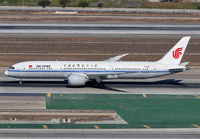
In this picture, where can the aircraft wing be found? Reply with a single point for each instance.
(105, 74)
(116, 58)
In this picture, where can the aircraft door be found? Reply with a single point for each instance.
(110, 68)
(21, 69)
(154, 71)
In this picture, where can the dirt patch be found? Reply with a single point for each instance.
(97, 17)
(14, 50)
(46, 115)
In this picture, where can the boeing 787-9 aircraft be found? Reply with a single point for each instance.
(79, 72)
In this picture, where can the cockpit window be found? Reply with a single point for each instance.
(12, 68)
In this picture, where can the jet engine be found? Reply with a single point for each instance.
(77, 79)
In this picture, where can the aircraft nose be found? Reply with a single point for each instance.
(6, 72)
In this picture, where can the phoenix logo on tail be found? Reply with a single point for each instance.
(176, 53)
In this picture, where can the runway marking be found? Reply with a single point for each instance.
(196, 125)
(96, 127)
(49, 95)
(197, 96)
(144, 95)
(45, 127)
(146, 126)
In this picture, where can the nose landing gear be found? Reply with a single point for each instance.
(20, 81)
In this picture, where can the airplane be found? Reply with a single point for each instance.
(78, 73)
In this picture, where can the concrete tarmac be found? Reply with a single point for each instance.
(168, 133)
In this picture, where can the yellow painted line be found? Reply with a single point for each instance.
(197, 96)
(45, 127)
(144, 95)
(146, 126)
(196, 125)
(49, 95)
(96, 127)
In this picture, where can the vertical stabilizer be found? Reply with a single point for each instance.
(175, 54)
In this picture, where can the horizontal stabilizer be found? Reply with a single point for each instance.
(181, 68)
(184, 63)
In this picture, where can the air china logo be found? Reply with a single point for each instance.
(176, 53)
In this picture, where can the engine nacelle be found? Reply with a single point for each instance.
(77, 79)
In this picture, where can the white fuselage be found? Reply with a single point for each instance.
(105, 70)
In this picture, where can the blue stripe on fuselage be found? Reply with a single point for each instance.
(83, 71)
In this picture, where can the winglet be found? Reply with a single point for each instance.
(116, 58)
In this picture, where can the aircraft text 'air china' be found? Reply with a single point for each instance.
(79, 72)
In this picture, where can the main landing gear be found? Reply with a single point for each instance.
(98, 83)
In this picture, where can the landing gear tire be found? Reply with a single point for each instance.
(99, 85)
(96, 85)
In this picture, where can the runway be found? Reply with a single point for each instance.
(168, 133)
(98, 29)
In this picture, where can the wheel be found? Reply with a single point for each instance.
(96, 85)
(99, 85)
